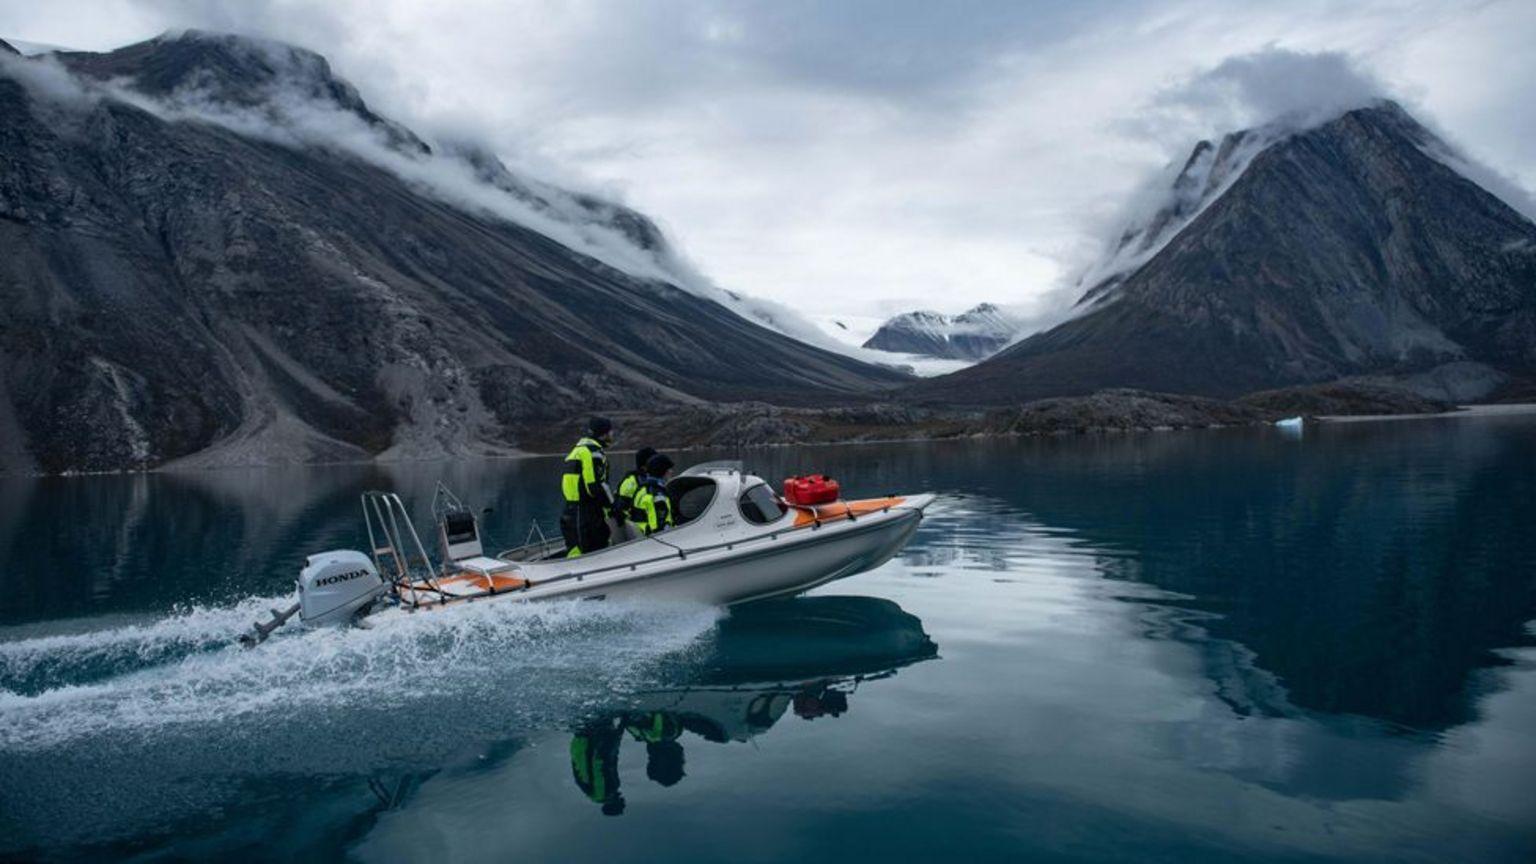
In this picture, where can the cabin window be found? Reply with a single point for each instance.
(759, 505)
(690, 497)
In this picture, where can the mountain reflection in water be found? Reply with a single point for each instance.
(1366, 570)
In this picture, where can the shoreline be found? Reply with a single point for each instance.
(1513, 409)
(1465, 411)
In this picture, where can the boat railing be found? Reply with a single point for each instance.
(536, 546)
(538, 550)
(396, 548)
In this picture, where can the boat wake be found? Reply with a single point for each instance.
(30, 665)
(183, 672)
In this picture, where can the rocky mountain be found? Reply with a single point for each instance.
(1170, 206)
(1292, 257)
(972, 335)
(212, 250)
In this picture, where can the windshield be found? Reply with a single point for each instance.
(759, 505)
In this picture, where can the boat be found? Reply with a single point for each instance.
(735, 540)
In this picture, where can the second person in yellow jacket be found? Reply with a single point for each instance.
(653, 509)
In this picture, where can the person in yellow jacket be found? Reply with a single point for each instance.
(584, 485)
(652, 506)
(624, 509)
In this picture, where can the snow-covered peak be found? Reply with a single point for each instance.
(972, 335)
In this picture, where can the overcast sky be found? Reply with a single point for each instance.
(864, 158)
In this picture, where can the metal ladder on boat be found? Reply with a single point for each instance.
(396, 548)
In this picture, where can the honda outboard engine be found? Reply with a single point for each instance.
(336, 586)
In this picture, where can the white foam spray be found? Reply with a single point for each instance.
(184, 672)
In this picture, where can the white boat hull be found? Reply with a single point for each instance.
(787, 565)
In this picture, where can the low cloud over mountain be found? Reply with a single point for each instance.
(1292, 254)
(215, 250)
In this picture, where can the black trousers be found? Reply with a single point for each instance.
(585, 527)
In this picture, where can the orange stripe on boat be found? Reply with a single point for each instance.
(491, 581)
(502, 582)
(806, 514)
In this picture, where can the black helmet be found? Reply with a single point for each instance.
(643, 455)
(597, 427)
(658, 465)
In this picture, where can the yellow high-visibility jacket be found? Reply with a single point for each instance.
(625, 508)
(654, 505)
(586, 474)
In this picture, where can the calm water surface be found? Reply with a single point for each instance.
(1180, 646)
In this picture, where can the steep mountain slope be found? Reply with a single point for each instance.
(1166, 210)
(1345, 249)
(176, 286)
(971, 335)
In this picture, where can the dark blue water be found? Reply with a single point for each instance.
(1177, 646)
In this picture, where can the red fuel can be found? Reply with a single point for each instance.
(811, 489)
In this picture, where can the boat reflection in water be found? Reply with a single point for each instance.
(805, 656)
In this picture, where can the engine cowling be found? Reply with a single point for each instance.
(336, 586)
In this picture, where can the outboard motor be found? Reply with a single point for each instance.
(335, 586)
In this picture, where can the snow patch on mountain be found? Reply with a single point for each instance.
(972, 335)
(1163, 207)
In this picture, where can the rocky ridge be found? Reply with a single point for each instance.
(191, 280)
(1342, 250)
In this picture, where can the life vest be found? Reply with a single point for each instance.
(655, 508)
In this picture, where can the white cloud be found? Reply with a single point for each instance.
(1297, 88)
(46, 78)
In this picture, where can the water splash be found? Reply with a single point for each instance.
(510, 661)
(81, 653)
